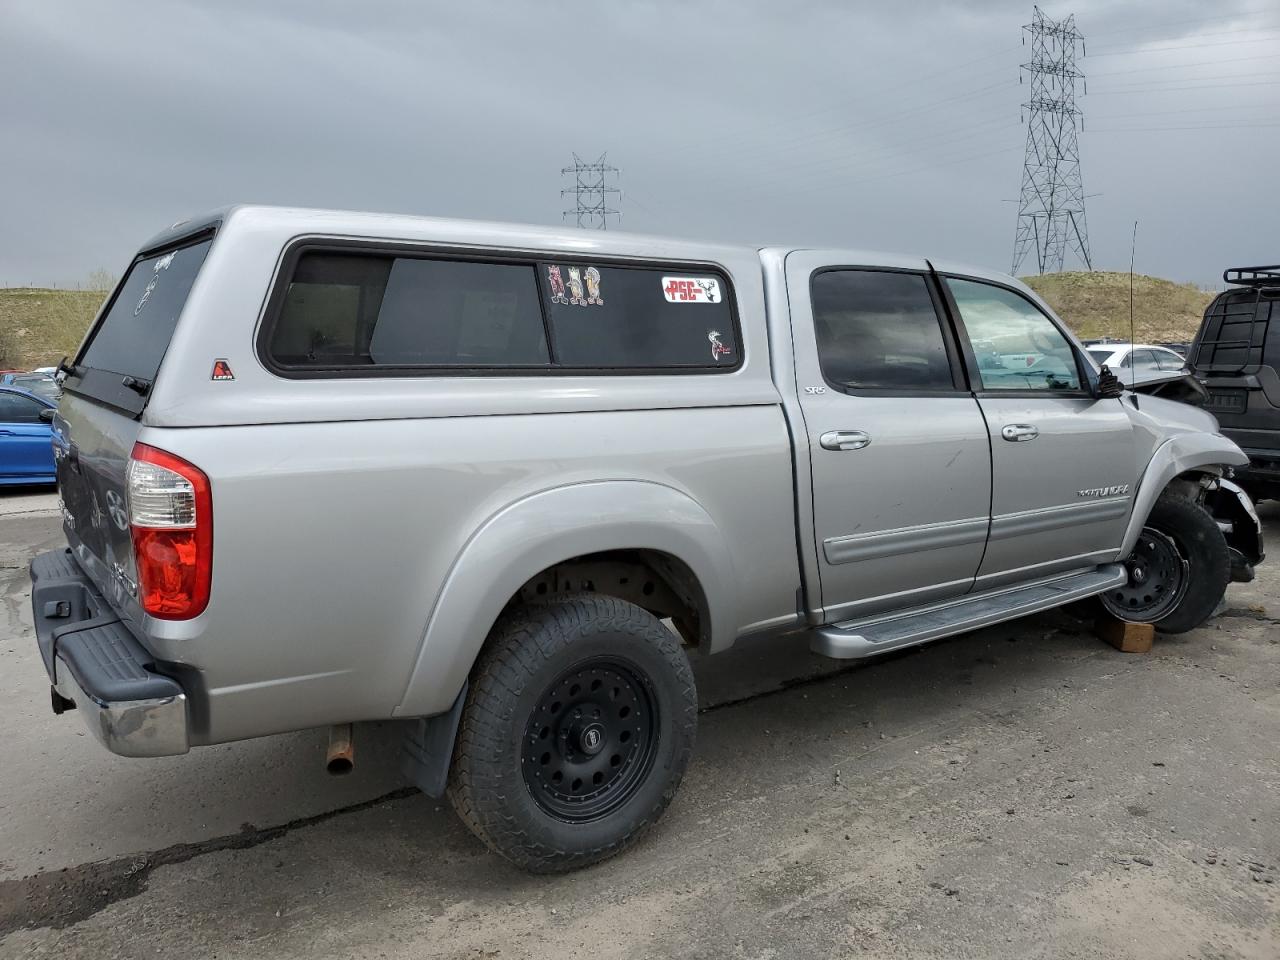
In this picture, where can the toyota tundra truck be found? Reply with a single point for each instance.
(496, 481)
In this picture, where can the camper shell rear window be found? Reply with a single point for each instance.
(351, 310)
(122, 354)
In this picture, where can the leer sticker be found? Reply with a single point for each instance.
(222, 371)
(691, 289)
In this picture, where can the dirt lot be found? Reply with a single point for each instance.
(1023, 791)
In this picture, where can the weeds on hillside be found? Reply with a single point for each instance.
(40, 326)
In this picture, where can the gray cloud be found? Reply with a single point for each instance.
(889, 126)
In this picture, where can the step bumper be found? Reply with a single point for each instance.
(95, 662)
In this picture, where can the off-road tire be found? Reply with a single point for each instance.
(1204, 548)
(529, 651)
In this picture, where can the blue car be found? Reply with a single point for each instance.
(26, 438)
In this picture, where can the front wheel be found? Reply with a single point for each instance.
(1178, 571)
(576, 731)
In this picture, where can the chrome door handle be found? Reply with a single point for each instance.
(844, 440)
(1019, 432)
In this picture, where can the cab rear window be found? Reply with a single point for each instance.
(366, 313)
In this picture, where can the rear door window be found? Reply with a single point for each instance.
(133, 335)
(879, 331)
(1144, 361)
(611, 317)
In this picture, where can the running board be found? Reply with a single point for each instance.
(866, 638)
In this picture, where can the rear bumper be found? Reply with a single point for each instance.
(94, 660)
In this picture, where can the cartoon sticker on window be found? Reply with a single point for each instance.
(576, 294)
(161, 264)
(556, 282)
(718, 349)
(593, 286)
(582, 288)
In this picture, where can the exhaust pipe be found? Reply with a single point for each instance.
(342, 750)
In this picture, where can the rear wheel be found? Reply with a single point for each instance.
(1178, 571)
(576, 731)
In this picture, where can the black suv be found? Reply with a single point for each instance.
(1237, 355)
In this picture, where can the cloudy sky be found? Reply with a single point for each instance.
(864, 124)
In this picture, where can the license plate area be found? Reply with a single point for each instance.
(1227, 400)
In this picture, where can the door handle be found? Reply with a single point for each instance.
(1019, 432)
(844, 440)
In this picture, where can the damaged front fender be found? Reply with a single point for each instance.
(1239, 523)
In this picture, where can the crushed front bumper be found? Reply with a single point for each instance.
(95, 662)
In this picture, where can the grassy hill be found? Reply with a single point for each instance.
(1097, 304)
(39, 326)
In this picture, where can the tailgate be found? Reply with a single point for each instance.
(99, 415)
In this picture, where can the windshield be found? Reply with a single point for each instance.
(42, 386)
(1100, 353)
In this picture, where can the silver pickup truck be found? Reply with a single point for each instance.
(320, 467)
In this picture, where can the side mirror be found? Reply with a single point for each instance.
(47, 414)
(1108, 386)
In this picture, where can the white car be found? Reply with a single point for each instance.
(1142, 358)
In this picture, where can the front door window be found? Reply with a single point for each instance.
(1017, 346)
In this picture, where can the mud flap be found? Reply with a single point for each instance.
(428, 748)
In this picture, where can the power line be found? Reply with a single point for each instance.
(1181, 46)
(1182, 66)
(1204, 126)
(1211, 33)
(1169, 113)
(1183, 80)
(845, 160)
(591, 192)
(1204, 86)
(718, 147)
(1051, 215)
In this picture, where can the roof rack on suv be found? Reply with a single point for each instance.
(1252, 276)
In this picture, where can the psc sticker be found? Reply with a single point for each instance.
(691, 289)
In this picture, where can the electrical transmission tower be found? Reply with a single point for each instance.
(1051, 206)
(591, 192)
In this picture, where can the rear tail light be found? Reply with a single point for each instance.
(171, 519)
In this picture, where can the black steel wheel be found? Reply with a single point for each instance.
(1178, 571)
(1158, 576)
(590, 741)
(577, 727)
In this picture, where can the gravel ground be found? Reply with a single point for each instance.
(1023, 791)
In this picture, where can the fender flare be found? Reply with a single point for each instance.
(547, 528)
(1173, 458)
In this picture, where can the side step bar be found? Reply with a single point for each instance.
(854, 639)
